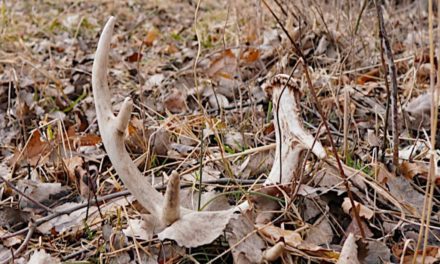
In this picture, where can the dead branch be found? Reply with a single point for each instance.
(385, 43)
(37, 203)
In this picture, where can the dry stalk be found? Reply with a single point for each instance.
(37, 203)
(346, 120)
(393, 76)
(431, 181)
(387, 109)
(199, 101)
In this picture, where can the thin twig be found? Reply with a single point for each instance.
(10, 185)
(16, 253)
(393, 76)
(387, 110)
(431, 181)
(199, 50)
(358, 20)
(346, 120)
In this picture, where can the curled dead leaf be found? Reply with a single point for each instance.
(275, 234)
(412, 169)
(363, 211)
(176, 102)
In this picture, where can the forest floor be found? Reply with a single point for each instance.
(195, 72)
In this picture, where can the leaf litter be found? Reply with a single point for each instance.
(207, 109)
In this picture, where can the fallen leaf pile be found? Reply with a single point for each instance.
(195, 74)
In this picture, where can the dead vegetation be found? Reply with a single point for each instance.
(272, 123)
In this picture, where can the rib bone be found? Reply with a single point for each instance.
(295, 139)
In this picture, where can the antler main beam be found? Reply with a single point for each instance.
(113, 128)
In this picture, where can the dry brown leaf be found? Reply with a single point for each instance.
(312, 207)
(275, 234)
(322, 46)
(115, 240)
(372, 139)
(218, 101)
(273, 253)
(154, 81)
(235, 140)
(405, 193)
(363, 211)
(10, 241)
(419, 111)
(134, 57)
(208, 226)
(411, 169)
(211, 200)
(320, 233)
(349, 251)
(75, 220)
(353, 227)
(373, 251)
(329, 176)
(247, 249)
(156, 140)
(41, 257)
(176, 102)
(140, 229)
(432, 256)
(170, 49)
(45, 193)
(372, 75)
(151, 36)
(293, 241)
(37, 149)
(88, 140)
(250, 56)
(224, 65)
(5, 253)
(71, 165)
(23, 103)
(423, 71)
(255, 164)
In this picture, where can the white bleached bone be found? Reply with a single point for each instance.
(176, 222)
(294, 137)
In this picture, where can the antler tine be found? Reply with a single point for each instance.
(101, 91)
(112, 129)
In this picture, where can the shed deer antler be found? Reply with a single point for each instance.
(175, 222)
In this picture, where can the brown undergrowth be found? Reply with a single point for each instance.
(196, 81)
